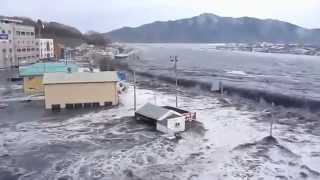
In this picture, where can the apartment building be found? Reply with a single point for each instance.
(46, 48)
(6, 45)
(17, 44)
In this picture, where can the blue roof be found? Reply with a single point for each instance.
(49, 67)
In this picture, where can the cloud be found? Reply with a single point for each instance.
(105, 15)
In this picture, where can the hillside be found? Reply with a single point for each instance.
(210, 28)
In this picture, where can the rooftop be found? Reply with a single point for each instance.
(49, 67)
(80, 77)
(156, 112)
(7, 20)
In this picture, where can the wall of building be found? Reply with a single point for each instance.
(33, 84)
(58, 50)
(26, 49)
(80, 93)
(20, 47)
(46, 48)
(173, 124)
(6, 46)
(164, 129)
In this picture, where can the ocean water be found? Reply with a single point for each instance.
(231, 141)
(284, 78)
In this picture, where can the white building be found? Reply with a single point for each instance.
(46, 48)
(166, 120)
(17, 43)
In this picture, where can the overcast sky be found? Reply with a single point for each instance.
(106, 15)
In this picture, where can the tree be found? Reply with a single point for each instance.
(95, 38)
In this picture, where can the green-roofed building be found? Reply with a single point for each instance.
(33, 74)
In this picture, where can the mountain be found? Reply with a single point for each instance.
(210, 28)
(62, 33)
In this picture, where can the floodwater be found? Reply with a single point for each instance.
(291, 80)
(231, 143)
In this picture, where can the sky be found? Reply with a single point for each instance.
(106, 15)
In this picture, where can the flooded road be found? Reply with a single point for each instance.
(232, 142)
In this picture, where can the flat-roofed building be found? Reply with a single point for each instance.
(17, 43)
(33, 74)
(46, 48)
(80, 89)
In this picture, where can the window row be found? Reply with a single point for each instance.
(46, 49)
(27, 42)
(6, 50)
(22, 33)
(28, 57)
(27, 49)
(5, 32)
(46, 43)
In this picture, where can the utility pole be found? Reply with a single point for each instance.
(272, 120)
(154, 92)
(175, 60)
(134, 91)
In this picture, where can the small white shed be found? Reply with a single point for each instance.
(172, 124)
(166, 120)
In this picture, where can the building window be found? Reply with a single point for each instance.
(4, 50)
(107, 104)
(23, 33)
(9, 32)
(177, 124)
(3, 31)
(78, 106)
(10, 50)
(69, 106)
(27, 33)
(18, 33)
(96, 104)
(55, 107)
(32, 34)
(19, 50)
(87, 105)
